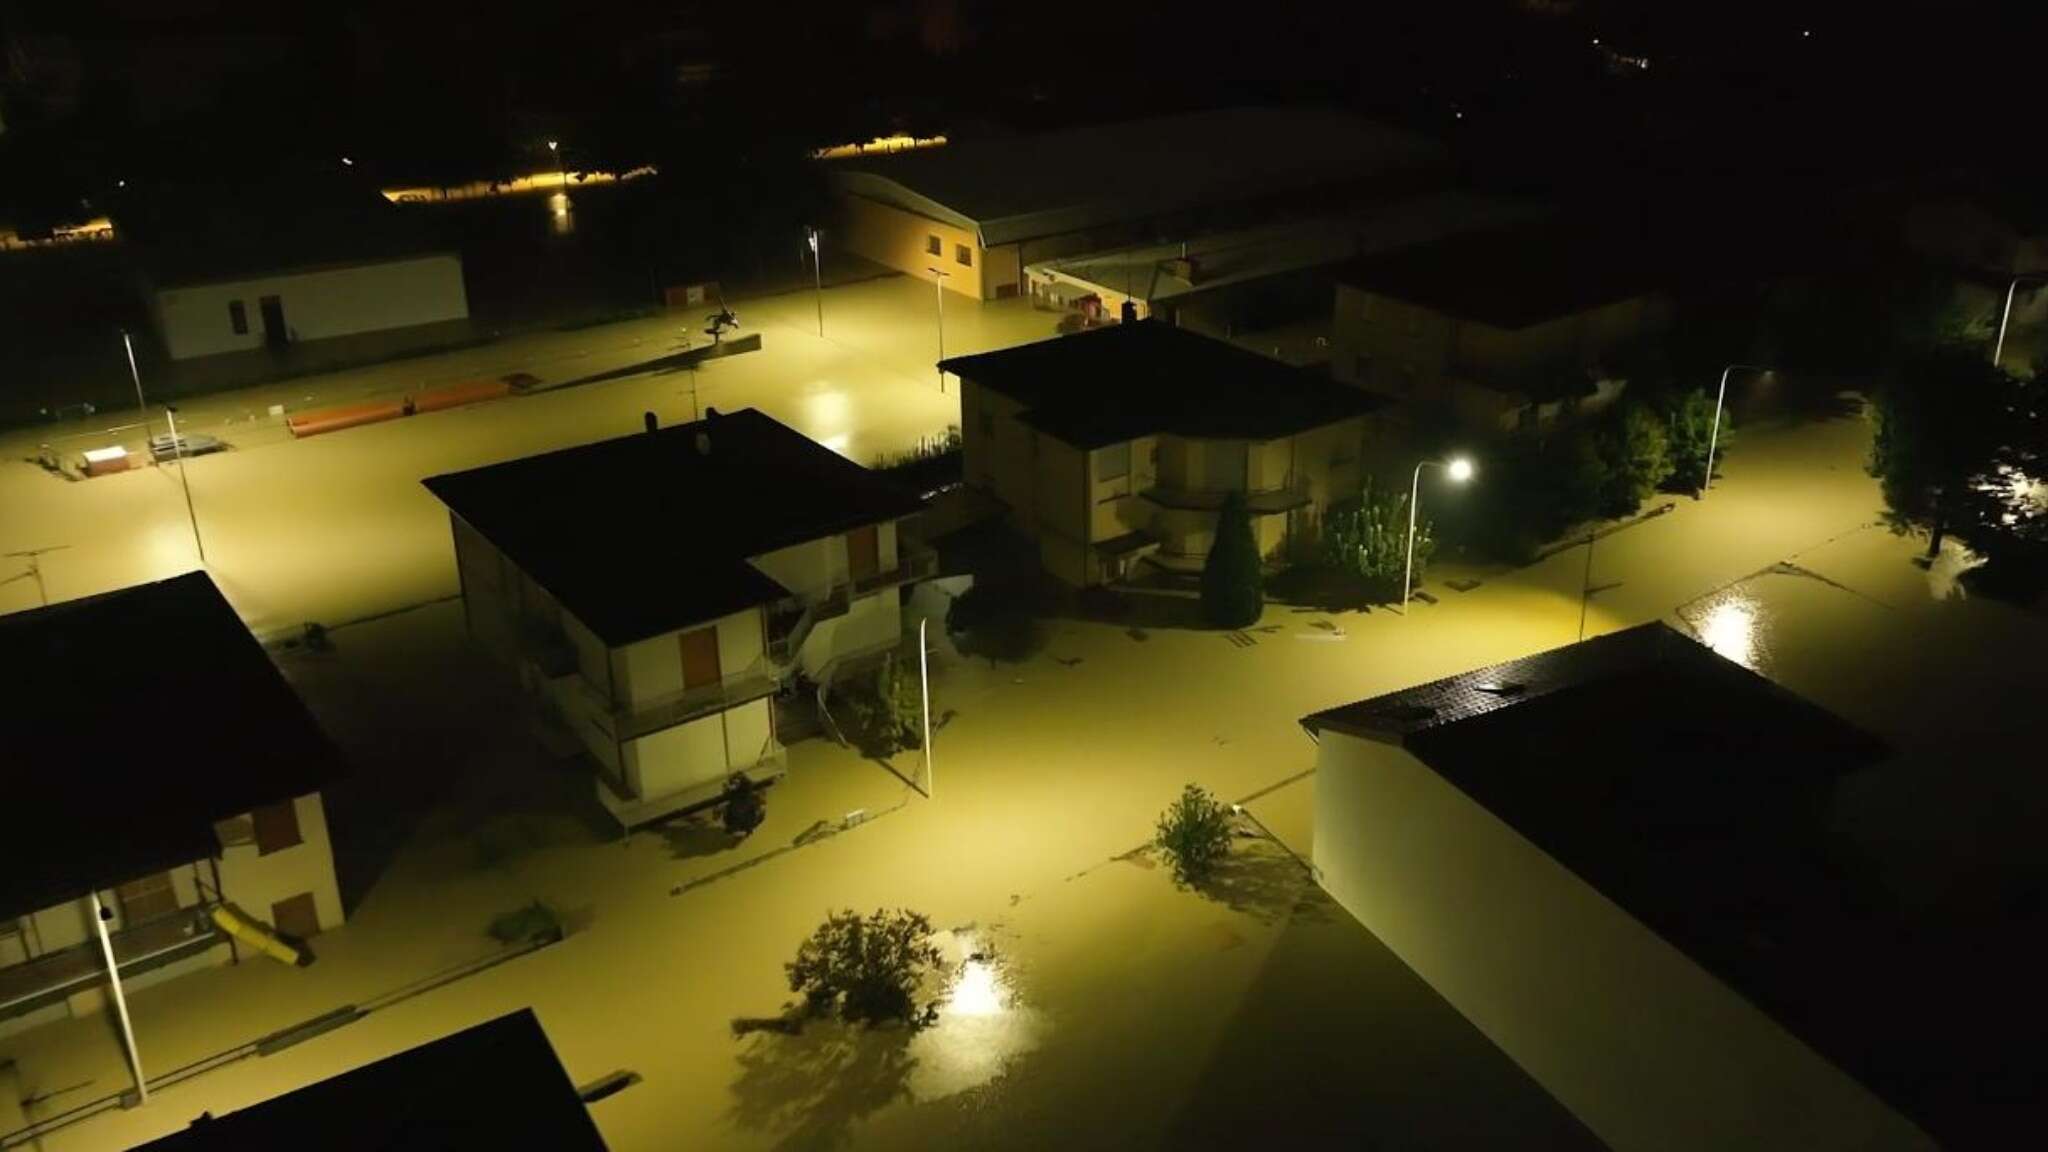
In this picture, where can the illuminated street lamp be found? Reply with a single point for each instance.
(939, 281)
(1998, 347)
(1714, 437)
(1459, 469)
(817, 277)
(561, 172)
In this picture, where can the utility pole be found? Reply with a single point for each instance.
(939, 281)
(924, 677)
(100, 916)
(178, 450)
(817, 279)
(141, 405)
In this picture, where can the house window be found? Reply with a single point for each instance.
(700, 658)
(1113, 462)
(932, 247)
(277, 827)
(297, 917)
(238, 315)
(149, 898)
(964, 255)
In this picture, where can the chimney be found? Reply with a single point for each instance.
(649, 419)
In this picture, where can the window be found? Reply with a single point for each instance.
(1113, 462)
(863, 552)
(238, 315)
(962, 254)
(297, 917)
(932, 247)
(277, 827)
(146, 899)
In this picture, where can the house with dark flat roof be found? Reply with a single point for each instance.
(496, 1085)
(1117, 445)
(158, 768)
(1654, 879)
(657, 590)
(1502, 328)
(982, 210)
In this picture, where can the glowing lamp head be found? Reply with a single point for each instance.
(1459, 469)
(552, 145)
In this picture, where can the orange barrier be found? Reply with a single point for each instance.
(350, 416)
(456, 395)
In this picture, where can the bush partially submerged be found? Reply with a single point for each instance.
(533, 922)
(865, 969)
(1194, 833)
(885, 712)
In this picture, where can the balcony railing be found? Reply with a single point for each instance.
(52, 976)
(1261, 502)
(631, 721)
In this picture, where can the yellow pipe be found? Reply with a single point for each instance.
(259, 936)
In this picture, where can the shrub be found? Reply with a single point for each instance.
(535, 921)
(1638, 459)
(1194, 833)
(1689, 425)
(865, 969)
(744, 809)
(1233, 587)
(1367, 543)
(887, 710)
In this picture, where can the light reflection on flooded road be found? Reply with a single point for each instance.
(1734, 625)
(981, 1027)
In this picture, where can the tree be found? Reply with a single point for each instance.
(1947, 425)
(743, 810)
(887, 711)
(866, 969)
(1233, 587)
(1638, 460)
(1688, 429)
(1368, 543)
(1194, 833)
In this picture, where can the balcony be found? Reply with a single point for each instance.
(49, 978)
(631, 721)
(913, 563)
(1264, 502)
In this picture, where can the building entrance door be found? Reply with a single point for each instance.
(275, 334)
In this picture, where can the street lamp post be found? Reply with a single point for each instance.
(1459, 469)
(1714, 437)
(135, 375)
(2005, 315)
(178, 450)
(939, 281)
(561, 170)
(817, 278)
(924, 679)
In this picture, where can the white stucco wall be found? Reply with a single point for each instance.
(254, 882)
(687, 755)
(318, 303)
(812, 568)
(651, 669)
(1644, 1046)
(871, 623)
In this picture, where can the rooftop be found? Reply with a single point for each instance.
(204, 235)
(1513, 277)
(651, 532)
(1055, 182)
(1730, 816)
(1123, 381)
(496, 1085)
(134, 721)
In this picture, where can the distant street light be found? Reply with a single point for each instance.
(939, 281)
(141, 405)
(1998, 348)
(561, 169)
(178, 450)
(817, 278)
(1459, 469)
(1714, 437)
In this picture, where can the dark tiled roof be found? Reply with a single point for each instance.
(133, 721)
(1516, 277)
(1097, 174)
(1734, 819)
(1127, 380)
(497, 1085)
(646, 534)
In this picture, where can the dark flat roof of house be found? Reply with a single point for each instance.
(1729, 816)
(1122, 381)
(1056, 182)
(496, 1085)
(1513, 277)
(646, 534)
(134, 720)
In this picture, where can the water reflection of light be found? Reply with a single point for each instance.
(1730, 627)
(560, 220)
(977, 992)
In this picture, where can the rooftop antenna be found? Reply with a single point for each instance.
(34, 571)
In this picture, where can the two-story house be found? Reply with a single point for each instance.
(158, 769)
(657, 590)
(1116, 446)
(1496, 329)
